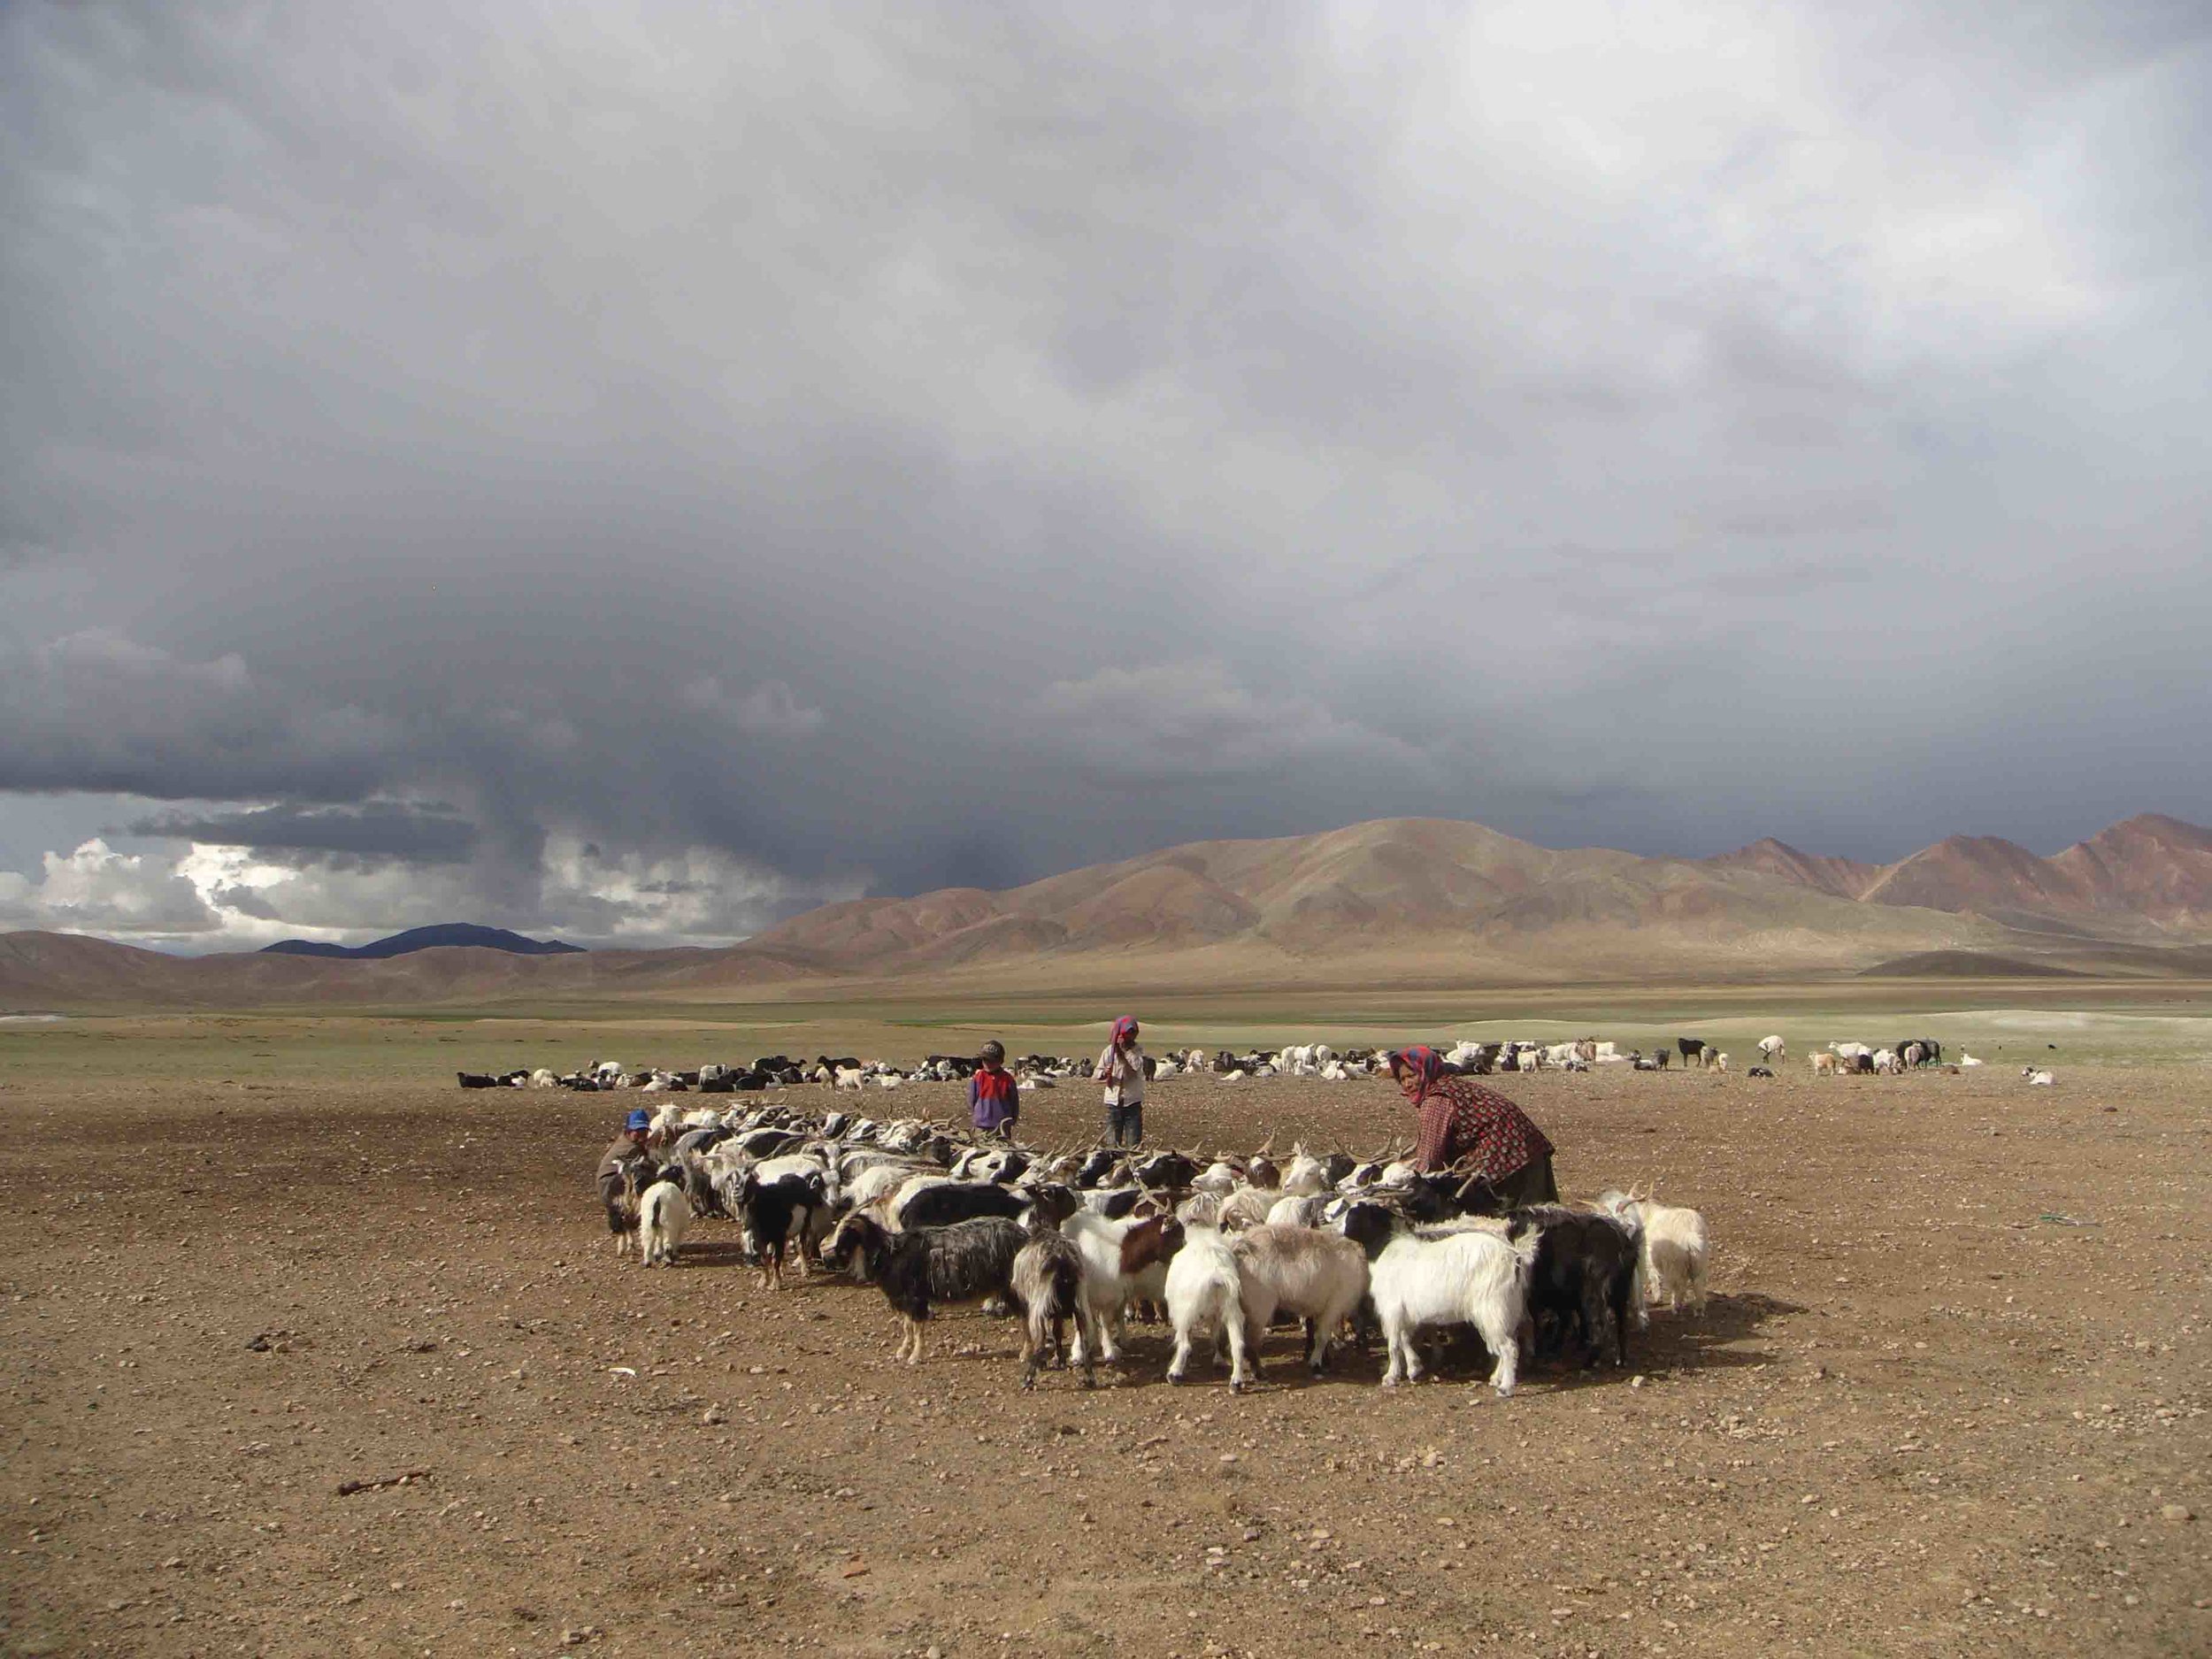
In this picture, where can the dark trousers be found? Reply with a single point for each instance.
(1531, 1184)
(1125, 1124)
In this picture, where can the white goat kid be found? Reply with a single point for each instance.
(1205, 1287)
(663, 1215)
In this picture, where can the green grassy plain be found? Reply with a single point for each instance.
(2074, 1023)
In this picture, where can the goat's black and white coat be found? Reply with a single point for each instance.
(966, 1262)
(1048, 1284)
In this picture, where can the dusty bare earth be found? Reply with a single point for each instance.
(1951, 1398)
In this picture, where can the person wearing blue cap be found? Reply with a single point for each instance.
(629, 1148)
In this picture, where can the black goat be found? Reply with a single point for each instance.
(774, 1212)
(966, 1262)
(942, 1203)
(1583, 1281)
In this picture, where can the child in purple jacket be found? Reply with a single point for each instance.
(991, 1101)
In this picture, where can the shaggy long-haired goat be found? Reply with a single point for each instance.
(1674, 1248)
(624, 1193)
(1472, 1274)
(664, 1213)
(1320, 1277)
(1048, 1283)
(965, 1262)
(1205, 1286)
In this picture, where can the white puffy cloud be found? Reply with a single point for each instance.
(97, 890)
(215, 898)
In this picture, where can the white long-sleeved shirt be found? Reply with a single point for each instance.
(1122, 1071)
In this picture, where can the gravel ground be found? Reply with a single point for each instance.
(1950, 1397)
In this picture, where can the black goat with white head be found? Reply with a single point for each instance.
(966, 1262)
(777, 1211)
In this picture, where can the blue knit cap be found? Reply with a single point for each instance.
(638, 1119)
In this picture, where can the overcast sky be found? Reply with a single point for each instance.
(633, 472)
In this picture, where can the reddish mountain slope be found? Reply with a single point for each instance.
(1843, 878)
(1400, 901)
(2148, 876)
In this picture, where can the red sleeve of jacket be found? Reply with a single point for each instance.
(1434, 1152)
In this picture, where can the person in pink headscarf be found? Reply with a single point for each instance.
(1121, 1068)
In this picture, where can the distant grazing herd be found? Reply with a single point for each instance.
(1301, 1060)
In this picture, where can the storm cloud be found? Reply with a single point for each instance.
(632, 472)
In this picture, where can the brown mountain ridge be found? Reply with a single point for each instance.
(1395, 900)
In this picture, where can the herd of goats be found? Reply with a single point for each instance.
(1226, 1247)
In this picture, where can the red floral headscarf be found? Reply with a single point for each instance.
(1420, 1069)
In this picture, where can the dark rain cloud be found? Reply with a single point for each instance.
(731, 458)
(376, 830)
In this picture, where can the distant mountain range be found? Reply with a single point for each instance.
(2150, 871)
(435, 936)
(1397, 902)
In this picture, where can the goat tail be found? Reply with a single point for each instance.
(1056, 1300)
(1522, 1239)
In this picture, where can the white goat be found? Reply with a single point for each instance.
(1477, 1277)
(1205, 1286)
(1300, 1209)
(1124, 1260)
(1305, 1174)
(1772, 1049)
(1247, 1207)
(1675, 1250)
(2044, 1079)
(663, 1216)
(1317, 1276)
(1968, 1059)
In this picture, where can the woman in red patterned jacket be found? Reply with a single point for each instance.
(1473, 1130)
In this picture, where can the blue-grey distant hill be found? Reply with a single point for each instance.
(427, 939)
